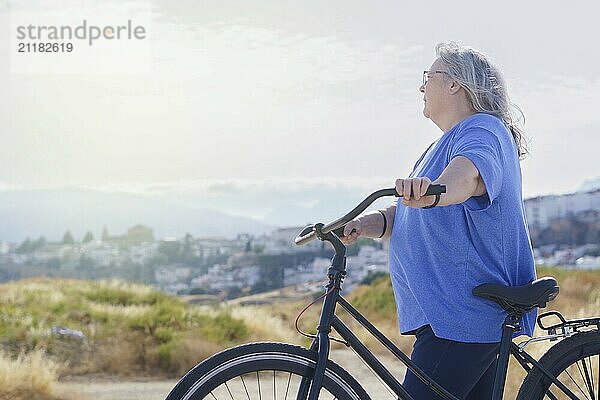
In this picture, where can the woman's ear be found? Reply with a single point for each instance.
(454, 87)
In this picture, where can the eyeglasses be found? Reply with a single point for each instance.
(427, 73)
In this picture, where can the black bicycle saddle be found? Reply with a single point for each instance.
(520, 299)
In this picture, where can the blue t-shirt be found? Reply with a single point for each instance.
(438, 255)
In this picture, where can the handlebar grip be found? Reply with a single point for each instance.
(431, 190)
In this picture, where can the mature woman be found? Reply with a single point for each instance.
(475, 234)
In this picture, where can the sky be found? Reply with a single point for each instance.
(238, 94)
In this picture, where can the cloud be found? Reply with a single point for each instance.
(230, 186)
(563, 123)
(263, 198)
(559, 102)
(239, 57)
(288, 88)
(6, 187)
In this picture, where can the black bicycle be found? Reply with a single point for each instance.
(568, 370)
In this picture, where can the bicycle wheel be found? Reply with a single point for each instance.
(263, 371)
(575, 361)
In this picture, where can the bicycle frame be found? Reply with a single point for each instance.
(328, 320)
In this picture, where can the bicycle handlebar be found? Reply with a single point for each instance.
(308, 234)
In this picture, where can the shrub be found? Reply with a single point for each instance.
(129, 329)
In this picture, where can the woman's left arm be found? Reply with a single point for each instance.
(462, 180)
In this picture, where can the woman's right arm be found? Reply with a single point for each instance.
(390, 214)
(370, 225)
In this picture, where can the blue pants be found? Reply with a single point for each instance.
(466, 370)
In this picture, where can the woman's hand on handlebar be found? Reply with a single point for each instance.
(412, 191)
(352, 231)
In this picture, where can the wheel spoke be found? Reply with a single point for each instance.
(258, 380)
(245, 388)
(288, 386)
(227, 386)
(589, 382)
(576, 384)
(285, 385)
(551, 395)
(595, 395)
(585, 378)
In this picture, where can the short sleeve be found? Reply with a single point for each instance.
(483, 148)
(421, 158)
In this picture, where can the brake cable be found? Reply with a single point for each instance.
(311, 336)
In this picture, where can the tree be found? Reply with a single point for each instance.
(25, 247)
(53, 263)
(41, 242)
(105, 236)
(171, 249)
(88, 237)
(188, 255)
(373, 276)
(68, 238)
(188, 243)
(86, 262)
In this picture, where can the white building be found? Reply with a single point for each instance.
(103, 254)
(540, 210)
(208, 247)
(282, 241)
(368, 260)
(142, 252)
(248, 276)
(171, 274)
(588, 262)
(315, 271)
(4, 248)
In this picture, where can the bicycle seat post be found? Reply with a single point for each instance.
(510, 325)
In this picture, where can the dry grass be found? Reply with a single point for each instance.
(129, 329)
(276, 322)
(30, 376)
(267, 322)
(133, 330)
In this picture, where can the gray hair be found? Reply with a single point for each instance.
(485, 87)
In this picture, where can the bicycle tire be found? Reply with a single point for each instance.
(249, 360)
(566, 360)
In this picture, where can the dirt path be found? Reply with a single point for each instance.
(111, 389)
(120, 390)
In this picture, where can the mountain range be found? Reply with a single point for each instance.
(201, 208)
(49, 213)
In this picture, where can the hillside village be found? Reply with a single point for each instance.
(565, 231)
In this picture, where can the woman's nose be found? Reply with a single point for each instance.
(422, 88)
